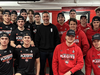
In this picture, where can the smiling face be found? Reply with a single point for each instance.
(96, 24)
(24, 14)
(73, 25)
(61, 19)
(13, 17)
(37, 18)
(83, 20)
(27, 40)
(70, 38)
(4, 41)
(6, 18)
(46, 18)
(96, 44)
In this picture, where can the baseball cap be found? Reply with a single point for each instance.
(70, 32)
(26, 33)
(3, 34)
(20, 18)
(23, 10)
(96, 18)
(72, 10)
(96, 37)
(60, 14)
(83, 16)
(97, 9)
(6, 12)
(14, 12)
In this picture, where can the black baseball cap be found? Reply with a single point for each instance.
(72, 10)
(96, 36)
(26, 33)
(3, 34)
(60, 14)
(70, 32)
(20, 18)
(23, 10)
(14, 12)
(83, 16)
(96, 18)
(6, 12)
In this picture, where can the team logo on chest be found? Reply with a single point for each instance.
(73, 51)
(6, 58)
(66, 61)
(11, 28)
(51, 29)
(27, 56)
(6, 26)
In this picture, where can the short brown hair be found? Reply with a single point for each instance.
(30, 10)
(1, 10)
(72, 19)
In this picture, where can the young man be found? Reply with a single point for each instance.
(80, 37)
(27, 25)
(6, 57)
(93, 57)
(16, 36)
(84, 25)
(1, 14)
(72, 14)
(31, 15)
(13, 18)
(6, 26)
(68, 57)
(95, 28)
(27, 56)
(97, 10)
(46, 38)
(38, 23)
(61, 25)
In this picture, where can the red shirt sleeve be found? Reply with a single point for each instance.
(85, 44)
(55, 61)
(79, 60)
(63, 37)
(88, 64)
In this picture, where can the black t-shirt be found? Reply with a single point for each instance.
(26, 58)
(7, 28)
(29, 27)
(35, 28)
(6, 61)
(15, 24)
(16, 36)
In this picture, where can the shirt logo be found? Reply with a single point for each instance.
(66, 61)
(98, 66)
(51, 30)
(26, 57)
(73, 51)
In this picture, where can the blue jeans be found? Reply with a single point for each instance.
(43, 57)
